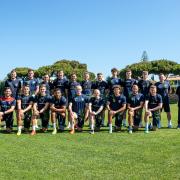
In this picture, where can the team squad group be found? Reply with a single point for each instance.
(76, 102)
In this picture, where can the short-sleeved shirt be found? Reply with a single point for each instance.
(153, 101)
(14, 85)
(33, 84)
(58, 103)
(144, 86)
(163, 88)
(7, 103)
(102, 86)
(116, 102)
(25, 100)
(112, 82)
(178, 93)
(86, 88)
(71, 86)
(128, 84)
(41, 101)
(96, 103)
(79, 103)
(60, 84)
(135, 100)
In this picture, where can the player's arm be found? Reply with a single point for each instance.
(99, 110)
(28, 107)
(10, 110)
(121, 109)
(107, 106)
(157, 107)
(44, 108)
(60, 110)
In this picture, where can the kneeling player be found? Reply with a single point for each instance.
(77, 108)
(96, 105)
(7, 106)
(24, 107)
(153, 106)
(41, 110)
(58, 110)
(116, 106)
(135, 106)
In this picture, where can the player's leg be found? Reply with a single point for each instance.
(19, 117)
(118, 121)
(156, 118)
(110, 117)
(73, 118)
(168, 111)
(45, 120)
(61, 117)
(130, 120)
(53, 119)
(92, 119)
(124, 118)
(27, 121)
(34, 123)
(178, 126)
(9, 122)
(146, 119)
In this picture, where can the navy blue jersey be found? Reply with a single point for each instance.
(144, 86)
(41, 101)
(112, 82)
(116, 102)
(135, 100)
(60, 84)
(71, 86)
(163, 88)
(96, 103)
(79, 104)
(128, 84)
(33, 83)
(25, 100)
(14, 85)
(87, 87)
(7, 103)
(58, 103)
(102, 86)
(153, 100)
(49, 87)
(178, 93)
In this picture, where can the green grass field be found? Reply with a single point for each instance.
(100, 156)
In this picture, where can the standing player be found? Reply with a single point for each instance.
(14, 84)
(77, 108)
(153, 106)
(7, 106)
(144, 85)
(178, 93)
(32, 82)
(58, 110)
(41, 110)
(103, 88)
(60, 82)
(49, 86)
(96, 105)
(116, 106)
(24, 109)
(135, 106)
(163, 88)
(127, 84)
(113, 80)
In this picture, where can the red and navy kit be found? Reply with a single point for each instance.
(14, 85)
(112, 82)
(33, 83)
(102, 86)
(71, 86)
(60, 84)
(128, 84)
(6, 104)
(78, 106)
(163, 89)
(87, 88)
(144, 86)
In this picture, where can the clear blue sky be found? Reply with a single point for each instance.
(101, 33)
